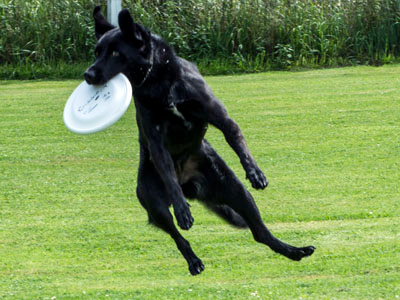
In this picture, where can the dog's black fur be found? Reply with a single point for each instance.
(174, 106)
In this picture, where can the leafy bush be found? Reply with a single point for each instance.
(220, 35)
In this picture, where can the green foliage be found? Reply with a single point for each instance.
(244, 35)
(71, 226)
(46, 31)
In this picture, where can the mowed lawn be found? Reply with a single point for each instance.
(328, 140)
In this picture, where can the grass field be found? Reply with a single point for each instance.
(328, 140)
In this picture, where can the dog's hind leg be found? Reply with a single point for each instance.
(222, 187)
(143, 203)
(152, 195)
(224, 211)
(229, 215)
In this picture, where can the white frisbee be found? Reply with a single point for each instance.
(92, 108)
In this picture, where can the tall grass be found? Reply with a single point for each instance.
(221, 35)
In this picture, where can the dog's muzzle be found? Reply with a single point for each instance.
(90, 76)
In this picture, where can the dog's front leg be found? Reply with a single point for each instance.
(216, 114)
(164, 165)
(152, 133)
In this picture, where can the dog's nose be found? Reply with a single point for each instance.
(89, 75)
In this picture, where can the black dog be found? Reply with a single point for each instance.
(174, 106)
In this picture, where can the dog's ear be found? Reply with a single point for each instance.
(101, 25)
(137, 33)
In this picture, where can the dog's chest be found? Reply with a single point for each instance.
(182, 129)
(176, 116)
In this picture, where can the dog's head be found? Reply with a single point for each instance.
(125, 49)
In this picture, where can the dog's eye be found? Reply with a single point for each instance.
(115, 54)
(97, 53)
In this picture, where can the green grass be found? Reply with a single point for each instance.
(328, 140)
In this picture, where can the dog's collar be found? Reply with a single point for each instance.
(151, 60)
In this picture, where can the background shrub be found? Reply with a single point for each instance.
(39, 37)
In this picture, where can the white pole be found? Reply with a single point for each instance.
(113, 9)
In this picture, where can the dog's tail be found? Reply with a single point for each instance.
(229, 215)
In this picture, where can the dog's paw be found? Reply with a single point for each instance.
(196, 267)
(183, 216)
(257, 178)
(298, 253)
